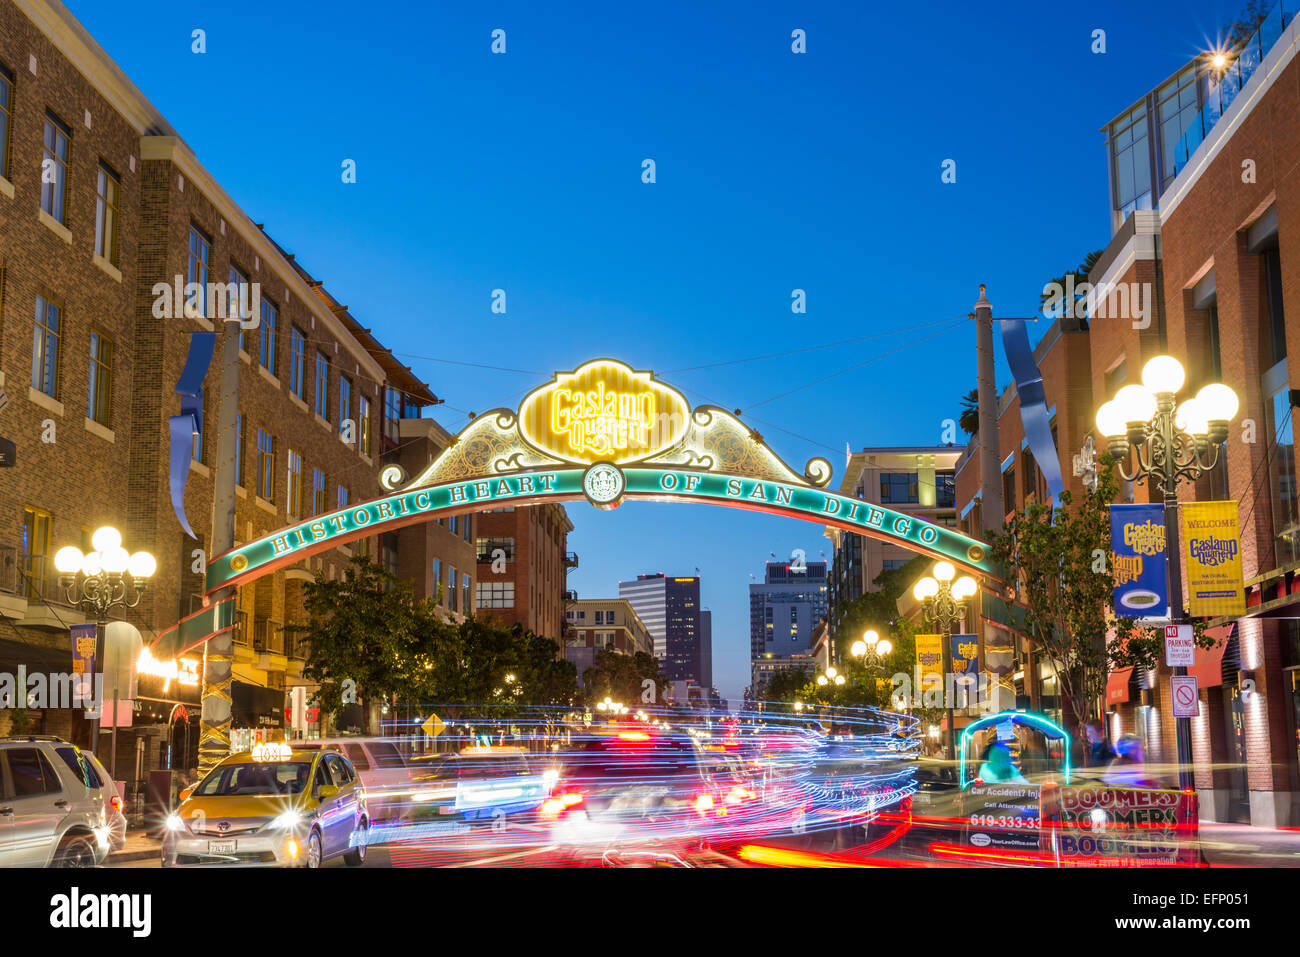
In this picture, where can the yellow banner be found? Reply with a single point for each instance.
(1212, 550)
(929, 661)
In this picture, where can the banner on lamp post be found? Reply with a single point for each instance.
(1137, 547)
(929, 662)
(1212, 548)
(83, 666)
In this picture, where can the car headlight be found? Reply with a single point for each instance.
(287, 821)
(174, 822)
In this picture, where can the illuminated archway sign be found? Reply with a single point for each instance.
(607, 434)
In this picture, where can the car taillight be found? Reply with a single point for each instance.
(556, 806)
(704, 803)
(115, 802)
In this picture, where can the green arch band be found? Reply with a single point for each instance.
(411, 506)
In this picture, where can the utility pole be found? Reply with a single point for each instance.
(992, 511)
(219, 655)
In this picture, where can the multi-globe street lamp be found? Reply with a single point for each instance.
(107, 578)
(1170, 441)
(870, 647)
(943, 602)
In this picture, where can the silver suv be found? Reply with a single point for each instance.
(54, 805)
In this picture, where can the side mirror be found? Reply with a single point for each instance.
(328, 791)
(186, 793)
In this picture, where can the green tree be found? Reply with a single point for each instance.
(969, 420)
(544, 678)
(622, 677)
(360, 635)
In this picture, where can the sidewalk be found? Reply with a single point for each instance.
(1240, 845)
(139, 846)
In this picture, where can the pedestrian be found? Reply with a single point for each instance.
(1128, 768)
(1099, 750)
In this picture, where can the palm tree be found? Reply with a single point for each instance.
(970, 412)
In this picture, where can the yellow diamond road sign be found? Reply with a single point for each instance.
(433, 726)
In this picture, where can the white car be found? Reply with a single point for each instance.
(384, 774)
(54, 805)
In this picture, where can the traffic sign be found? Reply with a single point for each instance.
(433, 726)
(1187, 703)
(1180, 646)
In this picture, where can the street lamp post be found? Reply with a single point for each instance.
(943, 601)
(1171, 441)
(871, 649)
(104, 579)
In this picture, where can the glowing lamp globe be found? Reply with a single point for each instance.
(858, 649)
(927, 587)
(1163, 375)
(1190, 417)
(1218, 402)
(92, 564)
(821, 679)
(1135, 403)
(944, 571)
(67, 560)
(964, 587)
(831, 672)
(885, 647)
(142, 565)
(1110, 421)
(106, 538)
(116, 560)
(839, 679)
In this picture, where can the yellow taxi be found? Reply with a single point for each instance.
(271, 806)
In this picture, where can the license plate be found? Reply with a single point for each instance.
(221, 847)
(923, 798)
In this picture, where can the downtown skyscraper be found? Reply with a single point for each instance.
(670, 608)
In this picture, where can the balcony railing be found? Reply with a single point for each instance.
(268, 636)
(34, 581)
(9, 568)
(571, 559)
(1244, 64)
(241, 628)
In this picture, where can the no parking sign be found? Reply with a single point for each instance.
(1187, 702)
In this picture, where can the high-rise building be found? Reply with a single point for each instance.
(706, 648)
(670, 608)
(785, 608)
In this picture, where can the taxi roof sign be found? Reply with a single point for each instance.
(271, 751)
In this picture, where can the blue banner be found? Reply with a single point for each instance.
(965, 653)
(83, 661)
(184, 427)
(1137, 548)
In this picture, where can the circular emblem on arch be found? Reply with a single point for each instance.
(239, 563)
(975, 553)
(603, 484)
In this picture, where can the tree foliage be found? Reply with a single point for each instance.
(622, 677)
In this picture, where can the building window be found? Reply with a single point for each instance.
(322, 386)
(109, 190)
(45, 348)
(889, 564)
(1131, 158)
(344, 497)
(451, 523)
(363, 424)
(196, 271)
(54, 168)
(1273, 290)
(465, 594)
(266, 335)
(36, 551)
(345, 403)
(486, 546)
(1177, 107)
(237, 300)
(1286, 509)
(297, 370)
(239, 448)
(899, 487)
(451, 587)
(265, 466)
(465, 526)
(496, 594)
(295, 484)
(392, 413)
(945, 489)
(1009, 490)
(436, 577)
(99, 405)
(318, 506)
(6, 117)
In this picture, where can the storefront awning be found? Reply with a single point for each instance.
(1208, 669)
(1117, 686)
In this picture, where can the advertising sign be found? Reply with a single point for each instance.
(1137, 543)
(1186, 699)
(1001, 816)
(83, 661)
(929, 661)
(1212, 550)
(965, 654)
(1180, 646)
(1123, 827)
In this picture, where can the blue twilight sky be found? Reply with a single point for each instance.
(775, 171)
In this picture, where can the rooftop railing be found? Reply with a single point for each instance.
(1244, 62)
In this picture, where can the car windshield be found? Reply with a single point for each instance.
(258, 778)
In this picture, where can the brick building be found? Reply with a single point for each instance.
(92, 342)
(603, 623)
(523, 558)
(1220, 241)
